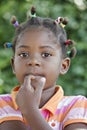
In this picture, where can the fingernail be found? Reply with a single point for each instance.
(43, 79)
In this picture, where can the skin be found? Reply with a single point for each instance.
(37, 63)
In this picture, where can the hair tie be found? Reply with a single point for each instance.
(61, 21)
(8, 45)
(62, 25)
(16, 24)
(14, 21)
(68, 53)
(58, 20)
(71, 53)
(32, 14)
(68, 42)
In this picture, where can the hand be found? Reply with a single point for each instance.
(29, 94)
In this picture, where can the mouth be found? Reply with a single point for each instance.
(37, 79)
(35, 75)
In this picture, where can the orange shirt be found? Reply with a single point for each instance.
(59, 111)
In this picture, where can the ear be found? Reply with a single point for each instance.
(65, 66)
(12, 64)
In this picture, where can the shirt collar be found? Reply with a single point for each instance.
(51, 105)
(13, 95)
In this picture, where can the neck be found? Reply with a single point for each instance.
(46, 95)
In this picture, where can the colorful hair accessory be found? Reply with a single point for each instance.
(8, 45)
(61, 21)
(68, 53)
(33, 12)
(68, 42)
(58, 20)
(71, 53)
(14, 21)
(62, 25)
(32, 15)
(16, 24)
(65, 21)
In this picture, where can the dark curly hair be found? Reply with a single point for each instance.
(58, 31)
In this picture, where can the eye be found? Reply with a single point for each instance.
(24, 54)
(46, 54)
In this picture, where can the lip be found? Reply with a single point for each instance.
(35, 74)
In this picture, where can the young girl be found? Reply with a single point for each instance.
(41, 53)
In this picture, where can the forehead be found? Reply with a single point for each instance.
(37, 35)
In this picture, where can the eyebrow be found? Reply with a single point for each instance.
(49, 47)
(41, 47)
(23, 46)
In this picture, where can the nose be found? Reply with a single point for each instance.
(34, 61)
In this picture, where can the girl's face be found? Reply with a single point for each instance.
(37, 54)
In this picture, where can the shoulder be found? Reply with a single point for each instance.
(75, 109)
(73, 106)
(71, 101)
(7, 110)
(76, 106)
(5, 99)
(5, 104)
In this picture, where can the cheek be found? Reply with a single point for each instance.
(52, 73)
(19, 70)
(18, 64)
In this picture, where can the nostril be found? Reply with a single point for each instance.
(30, 64)
(37, 64)
(33, 63)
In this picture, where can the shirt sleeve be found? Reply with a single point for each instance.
(7, 111)
(77, 111)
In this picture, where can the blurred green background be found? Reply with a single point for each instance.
(75, 81)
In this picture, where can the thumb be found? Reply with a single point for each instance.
(27, 82)
(39, 89)
(41, 85)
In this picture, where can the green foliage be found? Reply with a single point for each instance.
(75, 81)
